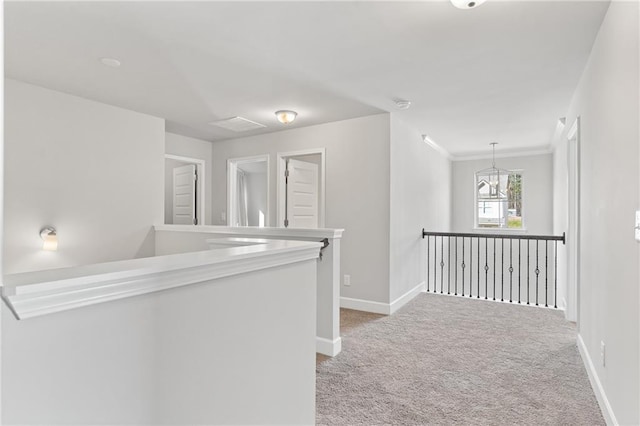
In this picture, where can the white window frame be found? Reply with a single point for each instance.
(475, 206)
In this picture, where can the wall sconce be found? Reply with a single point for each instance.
(286, 116)
(50, 238)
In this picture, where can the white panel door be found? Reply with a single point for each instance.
(184, 195)
(302, 194)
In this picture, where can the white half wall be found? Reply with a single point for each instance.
(92, 171)
(537, 189)
(185, 146)
(420, 197)
(234, 350)
(606, 100)
(357, 191)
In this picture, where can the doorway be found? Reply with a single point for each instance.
(573, 232)
(301, 189)
(248, 191)
(184, 190)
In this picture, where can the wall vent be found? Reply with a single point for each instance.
(237, 124)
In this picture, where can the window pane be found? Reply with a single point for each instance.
(499, 200)
(514, 195)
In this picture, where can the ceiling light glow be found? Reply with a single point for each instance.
(286, 116)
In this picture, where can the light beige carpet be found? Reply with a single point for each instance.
(445, 360)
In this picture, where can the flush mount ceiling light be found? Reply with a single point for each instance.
(402, 103)
(110, 62)
(286, 116)
(467, 4)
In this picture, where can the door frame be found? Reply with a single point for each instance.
(572, 312)
(232, 173)
(281, 159)
(200, 185)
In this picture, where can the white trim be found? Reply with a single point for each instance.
(598, 389)
(365, 305)
(254, 231)
(508, 154)
(407, 297)
(38, 293)
(573, 131)
(328, 347)
(232, 167)
(379, 307)
(572, 312)
(281, 166)
(202, 179)
(446, 154)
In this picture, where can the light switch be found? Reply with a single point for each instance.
(637, 225)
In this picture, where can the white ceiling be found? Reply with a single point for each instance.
(502, 72)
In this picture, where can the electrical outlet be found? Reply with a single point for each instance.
(602, 353)
(223, 217)
(347, 280)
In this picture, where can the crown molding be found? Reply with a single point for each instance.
(503, 154)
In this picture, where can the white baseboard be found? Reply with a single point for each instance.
(605, 407)
(379, 307)
(407, 297)
(328, 347)
(365, 305)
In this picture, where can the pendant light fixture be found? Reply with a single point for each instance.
(495, 177)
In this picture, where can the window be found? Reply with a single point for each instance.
(499, 199)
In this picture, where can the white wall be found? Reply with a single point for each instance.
(230, 351)
(420, 198)
(606, 99)
(256, 196)
(357, 191)
(537, 188)
(91, 170)
(184, 146)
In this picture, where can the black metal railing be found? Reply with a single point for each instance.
(479, 268)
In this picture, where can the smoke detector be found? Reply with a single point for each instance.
(237, 124)
(402, 103)
(467, 4)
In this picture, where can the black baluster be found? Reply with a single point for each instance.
(478, 295)
(519, 268)
(486, 268)
(470, 266)
(494, 269)
(546, 273)
(456, 270)
(435, 265)
(449, 266)
(510, 270)
(555, 271)
(502, 269)
(428, 260)
(463, 266)
(441, 263)
(528, 269)
(537, 271)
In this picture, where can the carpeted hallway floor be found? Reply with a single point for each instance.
(444, 360)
